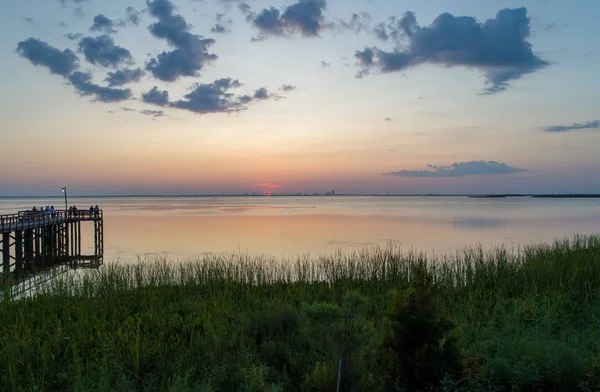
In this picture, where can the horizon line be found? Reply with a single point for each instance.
(311, 195)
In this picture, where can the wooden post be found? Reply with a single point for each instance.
(96, 239)
(29, 251)
(6, 254)
(38, 249)
(78, 238)
(18, 252)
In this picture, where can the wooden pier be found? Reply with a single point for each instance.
(33, 242)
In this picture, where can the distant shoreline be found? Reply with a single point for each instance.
(473, 196)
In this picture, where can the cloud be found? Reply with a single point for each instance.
(244, 8)
(103, 51)
(358, 22)
(498, 47)
(287, 87)
(219, 28)
(304, 17)
(133, 16)
(103, 24)
(40, 53)
(127, 109)
(73, 36)
(82, 82)
(28, 19)
(124, 76)
(215, 97)
(261, 93)
(388, 119)
(191, 51)
(381, 31)
(324, 64)
(153, 113)
(156, 97)
(574, 127)
(458, 169)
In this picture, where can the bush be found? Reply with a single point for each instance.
(418, 348)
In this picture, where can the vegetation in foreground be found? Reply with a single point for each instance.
(379, 320)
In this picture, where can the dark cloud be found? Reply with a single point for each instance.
(103, 24)
(304, 16)
(408, 24)
(153, 113)
(458, 169)
(212, 98)
(574, 127)
(28, 19)
(324, 64)
(380, 31)
(498, 47)
(216, 97)
(244, 8)
(103, 51)
(127, 109)
(82, 82)
(366, 59)
(40, 53)
(73, 36)
(388, 119)
(191, 50)
(268, 21)
(156, 97)
(219, 28)
(287, 87)
(261, 93)
(72, 1)
(133, 16)
(359, 22)
(123, 76)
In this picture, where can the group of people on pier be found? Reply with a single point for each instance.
(72, 211)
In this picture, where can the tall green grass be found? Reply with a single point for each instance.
(522, 319)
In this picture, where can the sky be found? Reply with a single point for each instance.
(120, 97)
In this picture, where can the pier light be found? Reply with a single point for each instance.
(64, 189)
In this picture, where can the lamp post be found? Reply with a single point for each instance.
(64, 189)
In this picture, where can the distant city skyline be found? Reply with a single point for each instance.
(303, 96)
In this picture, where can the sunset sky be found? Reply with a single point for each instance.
(361, 96)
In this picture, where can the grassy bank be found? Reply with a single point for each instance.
(478, 321)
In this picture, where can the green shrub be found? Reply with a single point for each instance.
(418, 348)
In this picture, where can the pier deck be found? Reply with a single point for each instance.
(32, 242)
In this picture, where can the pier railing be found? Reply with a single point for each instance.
(32, 242)
(27, 219)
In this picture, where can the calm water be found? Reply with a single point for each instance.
(287, 226)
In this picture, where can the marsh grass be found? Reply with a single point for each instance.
(522, 319)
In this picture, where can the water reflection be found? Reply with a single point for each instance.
(475, 223)
(289, 226)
